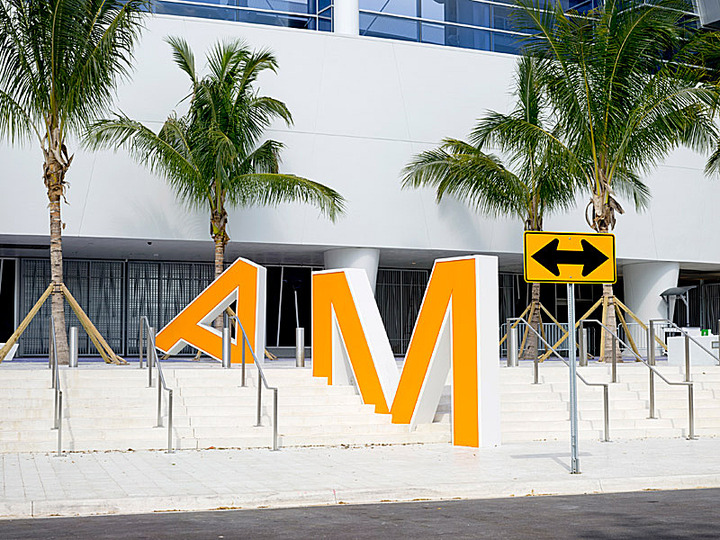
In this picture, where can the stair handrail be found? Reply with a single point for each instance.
(55, 382)
(654, 371)
(688, 338)
(606, 392)
(154, 360)
(262, 381)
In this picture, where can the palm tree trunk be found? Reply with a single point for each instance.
(54, 175)
(219, 268)
(531, 349)
(219, 257)
(611, 320)
(218, 224)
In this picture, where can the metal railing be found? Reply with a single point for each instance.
(153, 360)
(606, 394)
(55, 382)
(653, 371)
(552, 333)
(688, 339)
(262, 381)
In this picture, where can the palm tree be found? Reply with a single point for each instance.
(59, 63)
(213, 156)
(621, 81)
(464, 170)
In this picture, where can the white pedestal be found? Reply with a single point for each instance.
(698, 356)
(11, 353)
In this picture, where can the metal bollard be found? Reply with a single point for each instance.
(687, 358)
(226, 342)
(652, 394)
(583, 344)
(512, 347)
(73, 347)
(299, 347)
(141, 336)
(50, 350)
(151, 352)
(651, 343)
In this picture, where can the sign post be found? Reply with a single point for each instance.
(553, 257)
(574, 459)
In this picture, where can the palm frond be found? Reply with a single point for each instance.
(214, 154)
(624, 86)
(460, 170)
(166, 153)
(268, 189)
(60, 60)
(183, 57)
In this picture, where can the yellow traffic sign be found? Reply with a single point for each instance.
(555, 257)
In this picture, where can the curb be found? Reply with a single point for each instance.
(145, 505)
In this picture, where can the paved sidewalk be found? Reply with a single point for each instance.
(134, 482)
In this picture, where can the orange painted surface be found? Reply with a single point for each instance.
(332, 291)
(450, 280)
(241, 276)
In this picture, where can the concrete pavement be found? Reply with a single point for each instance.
(37, 485)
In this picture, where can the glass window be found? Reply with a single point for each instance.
(388, 26)
(252, 11)
(408, 8)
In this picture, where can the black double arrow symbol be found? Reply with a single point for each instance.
(549, 256)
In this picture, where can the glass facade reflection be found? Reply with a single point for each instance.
(310, 14)
(483, 25)
(470, 24)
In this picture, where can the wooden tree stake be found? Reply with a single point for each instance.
(26, 322)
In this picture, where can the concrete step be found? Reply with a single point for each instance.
(38, 383)
(283, 401)
(546, 435)
(533, 416)
(528, 406)
(28, 403)
(360, 419)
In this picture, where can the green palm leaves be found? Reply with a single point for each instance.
(464, 170)
(59, 60)
(624, 86)
(59, 63)
(213, 156)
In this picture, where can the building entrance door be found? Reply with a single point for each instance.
(8, 298)
(288, 304)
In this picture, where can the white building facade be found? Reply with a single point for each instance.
(363, 106)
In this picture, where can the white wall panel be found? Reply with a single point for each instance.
(362, 107)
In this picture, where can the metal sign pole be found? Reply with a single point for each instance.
(572, 356)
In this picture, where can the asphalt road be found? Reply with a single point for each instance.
(650, 514)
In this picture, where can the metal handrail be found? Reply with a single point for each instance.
(153, 359)
(55, 381)
(262, 381)
(654, 371)
(606, 394)
(687, 345)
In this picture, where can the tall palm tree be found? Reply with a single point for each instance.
(464, 170)
(622, 83)
(59, 63)
(213, 156)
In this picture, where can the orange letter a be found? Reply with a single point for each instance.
(242, 282)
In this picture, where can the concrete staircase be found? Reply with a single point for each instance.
(111, 408)
(104, 408)
(541, 412)
(222, 414)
